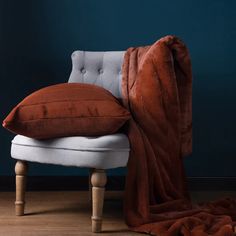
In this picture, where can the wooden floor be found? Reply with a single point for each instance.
(68, 214)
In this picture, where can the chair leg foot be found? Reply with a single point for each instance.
(98, 181)
(96, 225)
(21, 171)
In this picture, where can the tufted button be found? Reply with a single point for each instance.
(82, 70)
(100, 71)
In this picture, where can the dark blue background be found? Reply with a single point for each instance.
(38, 37)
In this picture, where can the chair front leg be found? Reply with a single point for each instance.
(21, 171)
(98, 181)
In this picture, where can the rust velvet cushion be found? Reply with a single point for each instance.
(67, 109)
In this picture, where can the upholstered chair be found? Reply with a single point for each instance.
(96, 153)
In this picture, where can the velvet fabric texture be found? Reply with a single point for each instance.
(157, 90)
(67, 109)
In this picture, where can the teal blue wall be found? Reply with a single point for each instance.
(37, 38)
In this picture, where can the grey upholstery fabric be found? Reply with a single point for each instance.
(99, 68)
(104, 152)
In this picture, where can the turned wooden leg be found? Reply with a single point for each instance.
(98, 180)
(20, 170)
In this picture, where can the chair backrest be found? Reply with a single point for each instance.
(99, 68)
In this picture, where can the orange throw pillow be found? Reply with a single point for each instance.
(67, 109)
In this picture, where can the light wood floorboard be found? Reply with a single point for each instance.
(69, 213)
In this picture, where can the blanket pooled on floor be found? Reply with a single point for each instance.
(157, 90)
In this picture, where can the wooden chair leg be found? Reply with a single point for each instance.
(98, 180)
(21, 171)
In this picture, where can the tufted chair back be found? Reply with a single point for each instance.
(99, 68)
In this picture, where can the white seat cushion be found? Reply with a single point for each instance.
(104, 152)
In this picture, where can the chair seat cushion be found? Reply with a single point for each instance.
(104, 152)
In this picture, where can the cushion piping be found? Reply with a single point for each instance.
(76, 149)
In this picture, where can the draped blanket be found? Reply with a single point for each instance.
(157, 90)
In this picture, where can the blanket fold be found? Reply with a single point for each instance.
(157, 90)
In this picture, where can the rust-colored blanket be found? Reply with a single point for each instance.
(157, 89)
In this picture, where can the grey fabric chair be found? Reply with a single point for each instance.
(97, 153)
